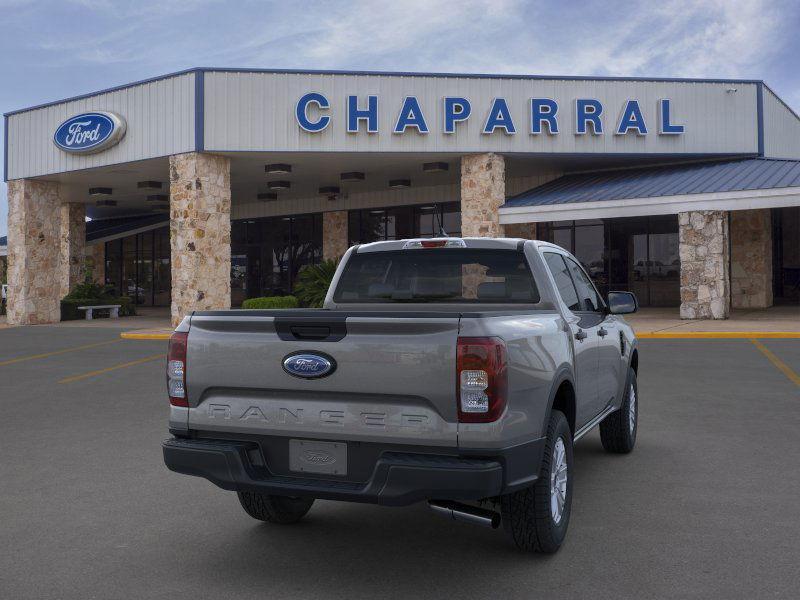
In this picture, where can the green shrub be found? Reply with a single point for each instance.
(271, 302)
(313, 282)
(70, 312)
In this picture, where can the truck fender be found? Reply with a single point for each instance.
(562, 374)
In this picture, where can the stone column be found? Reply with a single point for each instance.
(751, 258)
(96, 256)
(483, 192)
(703, 247)
(73, 242)
(33, 252)
(334, 234)
(200, 232)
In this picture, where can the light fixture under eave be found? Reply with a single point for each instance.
(352, 176)
(158, 198)
(329, 189)
(106, 203)
(435, 167)
(278, 168)
(100, 191)
(149, 185)
(267, 196)
(399, 183)
(279, 185)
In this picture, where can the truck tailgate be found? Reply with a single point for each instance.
(394, 379)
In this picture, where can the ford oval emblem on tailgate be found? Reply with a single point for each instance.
(308, 365)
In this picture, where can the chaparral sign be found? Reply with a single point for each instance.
(588, 116)
(90, 132)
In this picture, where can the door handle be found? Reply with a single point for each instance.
(602, 332)
(581, 335)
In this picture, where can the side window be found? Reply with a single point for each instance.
(563, 281)
(587, 294)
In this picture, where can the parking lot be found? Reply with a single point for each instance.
(706, 506)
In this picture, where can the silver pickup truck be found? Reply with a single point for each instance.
(453, 371)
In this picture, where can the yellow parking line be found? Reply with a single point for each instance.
(54, 353)
(114, 368)
(779, 364)
(717, 335)
(132, 335)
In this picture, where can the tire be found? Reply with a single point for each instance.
(274, 509)
(527, 515)
(618, 430)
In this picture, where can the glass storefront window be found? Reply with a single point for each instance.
(634, 254)
(138, 266)
(267, 254)
(427, 220)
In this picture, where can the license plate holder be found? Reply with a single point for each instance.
(312, 456)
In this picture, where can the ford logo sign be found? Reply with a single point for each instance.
(90, 132)
(308, 365)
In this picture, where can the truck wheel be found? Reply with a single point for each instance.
(618, 430)
(274, 509)
(537, 517)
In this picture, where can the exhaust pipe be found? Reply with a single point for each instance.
(466, 513)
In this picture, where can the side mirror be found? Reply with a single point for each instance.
(622, 303)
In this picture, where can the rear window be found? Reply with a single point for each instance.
(446, 275)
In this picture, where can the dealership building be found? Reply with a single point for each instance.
(210, 186)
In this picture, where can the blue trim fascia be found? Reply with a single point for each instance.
(760, 116)
(199, 110)
(5, 148)
(383, 74)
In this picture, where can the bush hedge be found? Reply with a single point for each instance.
(271, 302)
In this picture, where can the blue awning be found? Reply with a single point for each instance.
(672, 180)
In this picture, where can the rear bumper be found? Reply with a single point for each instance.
(399, 478)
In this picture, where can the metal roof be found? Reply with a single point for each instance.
(671, 180)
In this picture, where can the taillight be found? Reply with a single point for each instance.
(176, 369)
(482, 379)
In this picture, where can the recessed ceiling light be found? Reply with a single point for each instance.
(279, 185)
(329, 189)
(278, 168)
(399, 183)
(106, 203)
(352, 176)
(435, 167)
(100, 191)
(158, 198)
(149, 185)
(267, 196)
(376, 212)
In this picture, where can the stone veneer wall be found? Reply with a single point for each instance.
(751, 258)
(72, 245)
(526, 231)
(200, 232)
(483, 192)
(33, 252)
(703, 247)
(96, 257)
(334, 234)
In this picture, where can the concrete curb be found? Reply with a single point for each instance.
(146, 335)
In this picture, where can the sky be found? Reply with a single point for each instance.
(56, 49)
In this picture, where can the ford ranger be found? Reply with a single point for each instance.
(453, 371)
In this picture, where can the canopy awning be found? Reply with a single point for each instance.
(721, 185)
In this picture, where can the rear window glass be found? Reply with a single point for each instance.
(446, 275)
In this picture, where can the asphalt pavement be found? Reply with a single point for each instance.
(705, 507)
